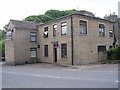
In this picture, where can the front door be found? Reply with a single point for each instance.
(55, 54)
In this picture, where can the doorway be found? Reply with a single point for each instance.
(55, 54)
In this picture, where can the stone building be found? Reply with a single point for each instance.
(17, 48)
(72, 39)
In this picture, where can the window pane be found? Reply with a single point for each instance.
(45, 29)
(63, 50)
(101, 48)
(33, 36)
(46, 50)
(110, 33)
(83, 27)
(33, 52)
(9, 35)
(101, 30)
(64, 28)
(64, 24)
(54, 30)
(45, 32)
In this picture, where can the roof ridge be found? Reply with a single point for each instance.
(24, 21)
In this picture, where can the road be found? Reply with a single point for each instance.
(53, 76)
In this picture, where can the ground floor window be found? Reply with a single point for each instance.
(101, 48)
(46, 50)
(110, 47)
(33, 52)
(63, 50)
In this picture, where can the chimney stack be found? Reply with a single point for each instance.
(113, 17)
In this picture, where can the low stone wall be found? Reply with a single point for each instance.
(111, 62)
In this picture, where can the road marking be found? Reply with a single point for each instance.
(60, 77)
(117, 81)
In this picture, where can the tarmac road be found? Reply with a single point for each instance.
(52, 76)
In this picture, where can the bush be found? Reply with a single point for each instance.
(114, 53)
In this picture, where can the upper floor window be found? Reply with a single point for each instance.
(83, 27)
(45, 32)
(63, 50)
(63, 28)
(54, 30)
(9, 34)
(46, 50)
(101, 30)
(33, 37)
(110, 33)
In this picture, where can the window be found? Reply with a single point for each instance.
(54, 30)
(33, 52)
(9, 34)
(46, 32)
(46, 50)
(101, 48)
(101, 30)
(63, 28)
(110, 33)
(63, 50)
(110, 47)
(33, 36)
(83, 27)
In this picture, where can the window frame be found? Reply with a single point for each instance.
(101, 50)
(55, 30)
(110, 34)
(46, 54)
(85, 25)
(101, 27)
(9, 34)
(33, 36)
(46, 30)
(64, 50)
(63, 26)
(33, 49)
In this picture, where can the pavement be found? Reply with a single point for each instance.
(43, 75)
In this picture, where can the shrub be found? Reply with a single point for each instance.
(114, 53)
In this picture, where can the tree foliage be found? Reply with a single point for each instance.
(49, 15)
(2, 42)
(107, 17)
(114, 53)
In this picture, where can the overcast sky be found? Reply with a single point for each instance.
(19, 9)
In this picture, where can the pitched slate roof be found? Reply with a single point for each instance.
(24, 24)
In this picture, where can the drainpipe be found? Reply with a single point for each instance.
(72, 51)
(114, 38)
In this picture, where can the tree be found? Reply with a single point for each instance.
(45, 18)
(5, 27)
(49, 15)
(2, 42)
(107, 17)
(33, 18)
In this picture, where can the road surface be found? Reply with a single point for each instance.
(53, 76)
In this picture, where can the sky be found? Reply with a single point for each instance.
(20, 9)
